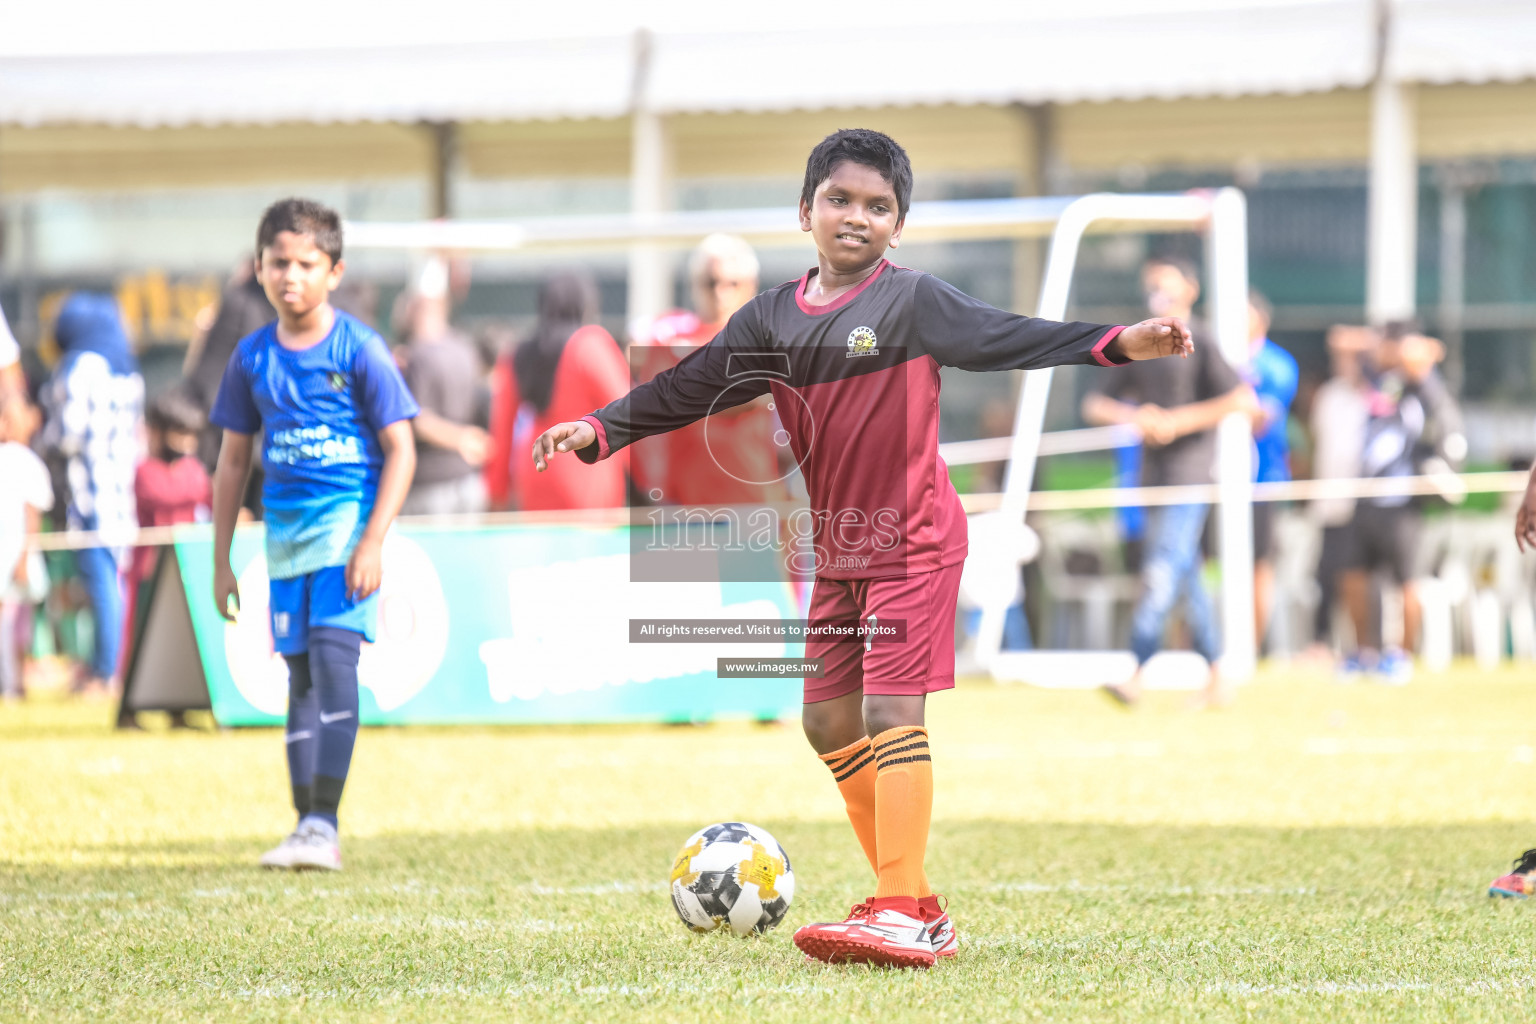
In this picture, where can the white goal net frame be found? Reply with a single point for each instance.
(1000, 541)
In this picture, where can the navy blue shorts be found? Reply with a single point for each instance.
(318, 598)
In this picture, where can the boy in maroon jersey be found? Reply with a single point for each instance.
(860, 341)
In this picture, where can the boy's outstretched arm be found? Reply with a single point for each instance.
(364, 568)
(710, 379)
(1525, 516)
(961, 331)
(229, 480)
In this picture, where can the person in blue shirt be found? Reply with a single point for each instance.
(1273, 375)
(334, 419)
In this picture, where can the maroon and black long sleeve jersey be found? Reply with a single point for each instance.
(855, 384)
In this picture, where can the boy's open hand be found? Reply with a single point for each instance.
(562, 437)
(364, 569)
(1156, 425)
(1155, 338)
(225, 589)
(1525, 517)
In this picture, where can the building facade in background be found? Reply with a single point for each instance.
(1405, 125)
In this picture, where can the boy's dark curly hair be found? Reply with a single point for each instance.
(862, 146)
(302, 217)
(172, 410)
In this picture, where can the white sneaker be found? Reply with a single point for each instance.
(281, 855)
(317, 848)
(887, 938)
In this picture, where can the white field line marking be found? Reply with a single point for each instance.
(1076, 887)
(65, 897)
(614, 888)
(461, 924)
(437, 922)
(102, 766)
(1063, 749)
(1322, 746)
(1321, 988)
(1350, 988)
(537, 989)
(1327, 746)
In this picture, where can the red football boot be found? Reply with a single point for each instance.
(873, 933)
(941, 930)
(1519, 883)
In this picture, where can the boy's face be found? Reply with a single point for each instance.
(1168, 291)
(180, 442)
(1418, 355)
(17, 419)
(853, 217)
(722, 290)
(1258, 324)
(1388, 354)
(296, 275)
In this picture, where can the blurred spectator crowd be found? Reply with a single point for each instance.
(83, 448)
(1360, 580)
(1340, 579)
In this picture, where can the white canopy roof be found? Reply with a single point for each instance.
(1101, 50)
(1278, 47)
(473, 81)
(1444, 41)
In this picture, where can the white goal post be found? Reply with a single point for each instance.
(1003, 541)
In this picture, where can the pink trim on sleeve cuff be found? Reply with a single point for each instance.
(603, 451)
(1098, 350)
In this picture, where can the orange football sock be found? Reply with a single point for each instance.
(903, 807)
(854, 769)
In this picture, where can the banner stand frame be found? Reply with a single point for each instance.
(165, 671)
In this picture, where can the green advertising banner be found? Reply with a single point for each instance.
(506, 624)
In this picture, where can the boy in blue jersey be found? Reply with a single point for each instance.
(1273, 375)
(338, 452)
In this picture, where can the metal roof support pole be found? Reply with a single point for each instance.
(1391, 253)
(650, 281)
(443, 137)
(1453, 274)
(1038, 156)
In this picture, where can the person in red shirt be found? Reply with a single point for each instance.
(566, 367)
(729, 458)
(170, 487)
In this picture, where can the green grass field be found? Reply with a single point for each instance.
(1319, 852)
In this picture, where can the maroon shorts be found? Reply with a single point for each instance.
(922, 660)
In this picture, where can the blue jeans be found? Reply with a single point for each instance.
(104, 587)
(1171, 569)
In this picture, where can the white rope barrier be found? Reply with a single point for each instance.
(1453, 487)
(1057, 442)
(153, 536)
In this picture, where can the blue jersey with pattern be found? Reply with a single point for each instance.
(319, 411)
(1274, 376)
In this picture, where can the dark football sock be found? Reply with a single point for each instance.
(333, 657)
(303, 730)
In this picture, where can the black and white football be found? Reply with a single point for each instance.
(732, 874)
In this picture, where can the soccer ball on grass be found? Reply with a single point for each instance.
(732, 874)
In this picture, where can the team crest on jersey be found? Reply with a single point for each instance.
(338, 381)
(861, 342)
